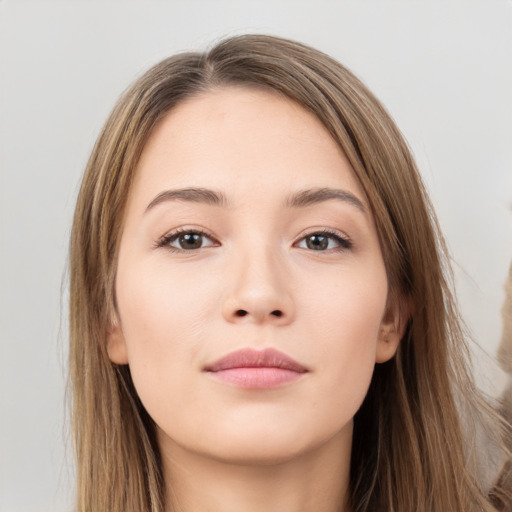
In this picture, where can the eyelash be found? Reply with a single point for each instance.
(344, 243)
(167, 239)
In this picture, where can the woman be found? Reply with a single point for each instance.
(260, 316)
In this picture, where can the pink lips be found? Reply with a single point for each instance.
(255, 369)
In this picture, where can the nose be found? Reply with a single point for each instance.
(259, 291)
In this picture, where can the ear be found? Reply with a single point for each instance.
(116, 345)
(391, 330)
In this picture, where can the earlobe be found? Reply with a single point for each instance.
(116, 346)
(391, 331)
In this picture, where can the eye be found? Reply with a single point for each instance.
(186, 240)
(324, 241)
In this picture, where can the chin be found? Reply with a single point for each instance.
(260, 449)
(266, 444)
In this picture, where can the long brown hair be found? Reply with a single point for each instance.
(412, 447)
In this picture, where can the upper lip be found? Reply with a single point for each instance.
(251, 358)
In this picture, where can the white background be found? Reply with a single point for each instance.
(442, 68)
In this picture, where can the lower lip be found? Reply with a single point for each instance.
(257, 378)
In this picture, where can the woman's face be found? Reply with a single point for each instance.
(251, 290)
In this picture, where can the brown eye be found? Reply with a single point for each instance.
(317, 242)
(324, 241)
(187, 241)
(190, 241)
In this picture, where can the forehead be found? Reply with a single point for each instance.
(242, 140)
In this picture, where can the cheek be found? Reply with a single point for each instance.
(157, 305)
(164, 319)
(348, 306)
(345, 321)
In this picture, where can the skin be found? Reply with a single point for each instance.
(227, 448)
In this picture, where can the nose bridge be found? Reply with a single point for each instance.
(259, 290)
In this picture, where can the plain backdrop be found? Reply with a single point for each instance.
(442, 68)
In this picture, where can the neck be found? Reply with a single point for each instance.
(316, 480)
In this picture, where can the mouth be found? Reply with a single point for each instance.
(256, 369)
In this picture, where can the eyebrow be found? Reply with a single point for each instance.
(300, 199)
(194, 195)
(319, 195)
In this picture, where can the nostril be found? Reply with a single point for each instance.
(241, 312)
(277, 313)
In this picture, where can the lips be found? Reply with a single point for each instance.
(255, 369)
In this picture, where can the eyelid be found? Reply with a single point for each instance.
(165, 240)
(344, 241)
